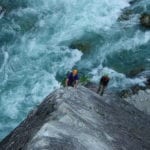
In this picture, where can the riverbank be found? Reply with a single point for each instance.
(74, 119)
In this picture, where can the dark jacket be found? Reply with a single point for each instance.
(104, 80)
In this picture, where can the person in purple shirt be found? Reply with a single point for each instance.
(72, 79)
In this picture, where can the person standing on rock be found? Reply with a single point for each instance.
(72, 79)
(103, 84)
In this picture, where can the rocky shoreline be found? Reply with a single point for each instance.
(137, 95)
(141, 100)
(70, 118)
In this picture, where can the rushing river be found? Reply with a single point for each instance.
(36, 52)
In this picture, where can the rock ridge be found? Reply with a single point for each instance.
(79, 119)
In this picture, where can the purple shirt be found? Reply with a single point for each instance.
(72, 79)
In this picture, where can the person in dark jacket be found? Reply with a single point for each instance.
(103, 84)
(72, 79)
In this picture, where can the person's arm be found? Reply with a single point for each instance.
(76, 83)
(66, 83)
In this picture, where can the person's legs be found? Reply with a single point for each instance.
(99, 89)
(70, 83)
(102, 90)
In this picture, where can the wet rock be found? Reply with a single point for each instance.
(131, 91)
(145, 20)
(137, 95)
(83, 46)
(125, 15)
(146, 75)
(136, 88)
(133, 2)
(135, 71)
(148, 81)
(86, 42)
(125, 93)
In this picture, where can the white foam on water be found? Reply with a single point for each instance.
(148, 59)
(6, 126)
(1, 15)
(125, 43)
(11, 103)
(117, 80)
(23, 11)
(138, 39)
(2, 12)
(72, 18)
(6, 56)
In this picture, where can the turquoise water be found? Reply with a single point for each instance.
(35, 53)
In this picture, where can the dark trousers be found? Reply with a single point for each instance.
(101, 89)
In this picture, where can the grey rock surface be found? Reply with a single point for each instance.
(145, 20)
(141, 100)
(139, 96)
(79, 119)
